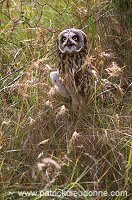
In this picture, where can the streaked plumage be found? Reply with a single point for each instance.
(76, 77)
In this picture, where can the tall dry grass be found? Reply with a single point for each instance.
(44, 144)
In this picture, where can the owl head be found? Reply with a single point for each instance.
(71, 41)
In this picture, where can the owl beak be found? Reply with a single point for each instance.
(69, 43)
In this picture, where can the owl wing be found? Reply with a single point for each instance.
(59, 86)
(86, 78)
(89, 83)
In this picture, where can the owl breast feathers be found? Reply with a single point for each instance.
(76, 73)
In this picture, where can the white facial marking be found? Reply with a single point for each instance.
(68, 36)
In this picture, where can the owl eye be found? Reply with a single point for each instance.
(63, 39)
(75, 38)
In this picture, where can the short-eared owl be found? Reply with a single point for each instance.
(72, 51)
(75, 76)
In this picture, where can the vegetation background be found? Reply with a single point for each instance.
(91, 150)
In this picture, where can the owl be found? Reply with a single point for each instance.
(70, 79)
(76, 77)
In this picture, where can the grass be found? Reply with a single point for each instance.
(93, 148)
